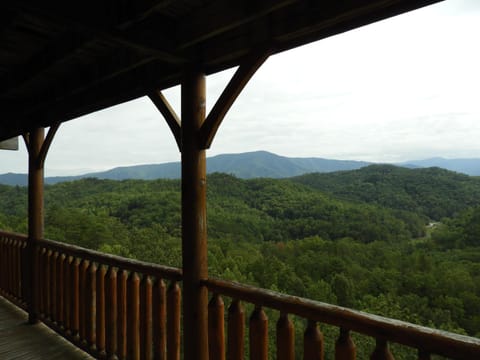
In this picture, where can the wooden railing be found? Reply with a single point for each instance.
(12, 255)
(118, 308)
(101, 303)
(427, 341)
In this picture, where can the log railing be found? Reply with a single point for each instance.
(117, 308)
(12, 254)
(109, 306)
(425, 340)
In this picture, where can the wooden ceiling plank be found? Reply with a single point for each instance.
(52, 54)
(207, 23)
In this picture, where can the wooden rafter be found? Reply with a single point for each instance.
(241, 77)
(169, 114)
(53, 53)
(204, 24)
(84, 31)
(120, 50)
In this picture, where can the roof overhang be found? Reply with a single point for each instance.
(61, 59)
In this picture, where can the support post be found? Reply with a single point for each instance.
(35, 218)
(37, 145)
(194, 219)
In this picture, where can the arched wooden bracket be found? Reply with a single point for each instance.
(26, 139)
(42, 155)
(239, 80)
(169, 114)
(46, 144)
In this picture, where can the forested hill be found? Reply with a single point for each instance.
(253, 210)
(290, 237)
(433, 192)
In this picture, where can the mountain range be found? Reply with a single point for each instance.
(250, 165)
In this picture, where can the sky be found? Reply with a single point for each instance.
(401, 89)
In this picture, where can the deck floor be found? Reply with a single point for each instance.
(21, 341)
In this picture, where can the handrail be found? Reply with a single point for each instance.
(415, 336)
(143, 267)
(13, 236)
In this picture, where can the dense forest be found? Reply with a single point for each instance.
(396, 242)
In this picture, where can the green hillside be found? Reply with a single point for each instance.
(291, 237)
(432, 192)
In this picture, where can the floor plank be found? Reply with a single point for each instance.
(18, 340)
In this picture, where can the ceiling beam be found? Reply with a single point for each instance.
(81, 33)
(206, 23)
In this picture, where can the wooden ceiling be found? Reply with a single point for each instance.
(63, 59)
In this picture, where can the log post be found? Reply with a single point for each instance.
(194, 221)
(35, 218)
(37, 146)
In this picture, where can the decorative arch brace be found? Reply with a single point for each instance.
(210, 126)
(194, 134)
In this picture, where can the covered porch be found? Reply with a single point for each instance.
(65, 60)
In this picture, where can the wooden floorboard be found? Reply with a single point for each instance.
(21, 341)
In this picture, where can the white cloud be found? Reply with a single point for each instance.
(404, 88)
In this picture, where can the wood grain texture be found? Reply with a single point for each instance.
(30, 342)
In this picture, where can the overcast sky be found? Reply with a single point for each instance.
(401, 89)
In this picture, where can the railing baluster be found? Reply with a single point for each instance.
(48, 284)
(90, 305)
(216, 332)
(7, 266)
(122, 314)
(344, 346)
(42, 287)
(312, 342)
(285, 338)
(60, 289)
(7, 262)
(100, 308)
(381, 351)
(53, 286)
(67, 309)
(15, 269)
(83, 299)
(3, 263)
(258, 335)
(75, 299)
(11, 254)
(111, 312)
(133, 316)
(23, 262)
(159, 320)
(67, 295)
(173, 321)
(236, 331)
(146, 318)
(18, 268)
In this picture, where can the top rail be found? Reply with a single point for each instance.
(162, 271)
(156, 270)
(420, 337)
(13, 236)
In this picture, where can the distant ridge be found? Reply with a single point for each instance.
(249, 165)
(465, 166)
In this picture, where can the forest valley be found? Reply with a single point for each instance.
(358, 238)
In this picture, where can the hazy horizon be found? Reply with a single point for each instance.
(88, 171)
(397, 90)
